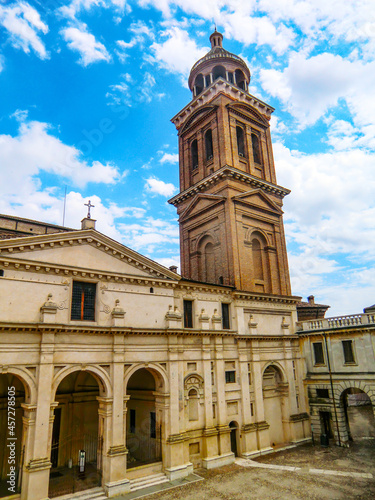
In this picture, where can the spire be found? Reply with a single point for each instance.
(216, 39)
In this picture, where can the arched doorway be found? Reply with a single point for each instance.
(273, 391)
(76, 450)
(143, 421)
(233, 438)
(12, 395)
(359, 413)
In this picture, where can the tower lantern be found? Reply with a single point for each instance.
(229, 205)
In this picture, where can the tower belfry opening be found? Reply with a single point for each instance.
(229, 194)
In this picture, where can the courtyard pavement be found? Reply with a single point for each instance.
(305, 472)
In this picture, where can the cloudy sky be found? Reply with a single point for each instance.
(88, 88)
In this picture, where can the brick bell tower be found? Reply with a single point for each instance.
(229, 205)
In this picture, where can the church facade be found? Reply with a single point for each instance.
(120, 368)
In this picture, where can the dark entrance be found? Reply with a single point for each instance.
(12, 395)
(359, 414)
(233, 438)
(143, 428)
(76, 449)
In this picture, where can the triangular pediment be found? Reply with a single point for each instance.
(199, 115)
(249, 112)
(256, 198)
(201, 203)
(86, 249)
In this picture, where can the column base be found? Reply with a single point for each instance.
(117, 488)
(179, 471)
(218, 460)
(257, 453)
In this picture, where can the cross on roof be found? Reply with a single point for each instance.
(89, 206)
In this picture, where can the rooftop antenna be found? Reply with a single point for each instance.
(64, 208)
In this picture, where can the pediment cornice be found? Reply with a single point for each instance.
(228, 172)
(23, 245)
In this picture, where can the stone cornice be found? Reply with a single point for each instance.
(221, 85)
(105, 330)
(228, 172)
(262, 297)
(79, 272)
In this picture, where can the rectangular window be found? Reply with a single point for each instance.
(230, 377)
(347, 346)
(1, 272)
(83, 301)
(318, 353)
(132, 422)
(225, 316)
(188, 313)
(152, 424)
(322, 393)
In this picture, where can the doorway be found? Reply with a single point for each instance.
(233, 438)
(76, 447)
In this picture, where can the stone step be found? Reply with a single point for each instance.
(145, 482)
(91, 494)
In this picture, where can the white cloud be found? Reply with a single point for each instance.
(169, 158)
(150, 234)
(129, 91)
(85, 43)
(76, 6)
(23, 24)
(157, 186)
(140, 34)
(177, 53)
(35, 150)
(309, 87)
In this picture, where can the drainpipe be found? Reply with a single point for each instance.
(330, 379)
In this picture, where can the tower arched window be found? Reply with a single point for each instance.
(208, 144)
(194, 154)
(199, 84)
(240, 79)
(219, 71)
(240, 141)
(257, 259)
(256, 149)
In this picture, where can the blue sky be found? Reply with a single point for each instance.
(89, 87)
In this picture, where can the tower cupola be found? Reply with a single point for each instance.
(218, 63)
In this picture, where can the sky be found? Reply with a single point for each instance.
(88, 88)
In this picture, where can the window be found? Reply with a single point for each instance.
(132, 422)
(225, 316)
(83, 301)
(322, 393)
(240, 141)
(188, 313)
(208, 144)
(230, 377)
(257, 259)
(1, 272)
(256, 149)
(193, 405)
(152, 424)
(347, 346)
(194, 154)
(318, 353)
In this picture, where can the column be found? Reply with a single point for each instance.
(114, 478)
(210, 433)
(38, 464)
(247, 431)
(263, 440)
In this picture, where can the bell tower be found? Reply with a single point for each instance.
(229, 204)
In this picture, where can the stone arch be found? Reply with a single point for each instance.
(160, 375)
(358, 419)
(277, 366)
(252, 233)
(194, 381)
(199, 84)
(28, 382)
(100, 375)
